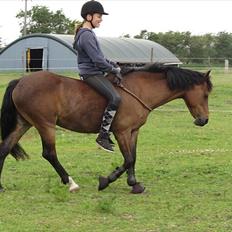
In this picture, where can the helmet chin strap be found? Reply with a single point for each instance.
(92, 24)
(90, 21)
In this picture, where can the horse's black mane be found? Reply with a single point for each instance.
(177, 78)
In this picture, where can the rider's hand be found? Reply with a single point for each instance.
(114, 64)
(118, 75)
(116, 70)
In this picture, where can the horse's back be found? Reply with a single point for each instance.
(41, 87)
(44, 80)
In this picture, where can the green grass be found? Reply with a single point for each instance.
(187, 172)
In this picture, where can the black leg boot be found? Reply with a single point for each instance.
(103, 138)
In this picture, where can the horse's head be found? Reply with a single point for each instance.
(193, 86)
(196, 99)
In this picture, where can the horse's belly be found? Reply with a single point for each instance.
(82, 123)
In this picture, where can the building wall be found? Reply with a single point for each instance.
(60, 57)
(56, 56)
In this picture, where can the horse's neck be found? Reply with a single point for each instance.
(164, 96)
(154, 90)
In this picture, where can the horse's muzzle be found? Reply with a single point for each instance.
(201, 121)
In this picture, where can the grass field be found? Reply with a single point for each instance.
(187, 172)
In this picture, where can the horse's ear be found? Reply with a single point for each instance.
(207, 73)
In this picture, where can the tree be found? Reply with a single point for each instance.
(143, 35)
(223, 45)
(202, 48)
(42, 20)
(126, 36)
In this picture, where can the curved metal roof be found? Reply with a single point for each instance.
(122, 50)
(128, 50)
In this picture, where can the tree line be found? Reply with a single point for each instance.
(208, 48)
(201, 49)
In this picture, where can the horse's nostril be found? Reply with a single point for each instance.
(206, 121)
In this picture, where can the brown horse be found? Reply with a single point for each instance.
(44, 100)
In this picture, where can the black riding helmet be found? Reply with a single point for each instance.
(92, 7)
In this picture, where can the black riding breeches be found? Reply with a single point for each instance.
(103, 86)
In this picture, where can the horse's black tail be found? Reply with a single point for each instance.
(9, 120)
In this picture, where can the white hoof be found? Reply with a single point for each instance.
(73, 187)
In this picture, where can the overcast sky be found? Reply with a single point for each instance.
(132, 16)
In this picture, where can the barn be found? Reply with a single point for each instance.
(54, 52)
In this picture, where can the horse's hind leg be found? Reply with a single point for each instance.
(4, 151)
(10, 141)
(49, 153)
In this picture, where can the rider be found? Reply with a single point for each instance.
(93, 67)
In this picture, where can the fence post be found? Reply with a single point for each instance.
(226, 65)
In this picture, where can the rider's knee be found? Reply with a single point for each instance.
(115, 102)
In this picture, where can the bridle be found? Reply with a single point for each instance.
(135, 96)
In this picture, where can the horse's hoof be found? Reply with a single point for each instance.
(137, 188)
(73, 189)
(103, 183)
(2, 189)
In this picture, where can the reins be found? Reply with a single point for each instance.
(136, 97)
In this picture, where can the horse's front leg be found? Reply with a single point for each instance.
(127, 143)
(123, 140)
(105, 181)
(131, 180)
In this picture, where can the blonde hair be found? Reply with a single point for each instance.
(78, 26)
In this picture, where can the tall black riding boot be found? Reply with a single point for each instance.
(103, 138)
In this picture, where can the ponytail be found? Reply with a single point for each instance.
(78, 27)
